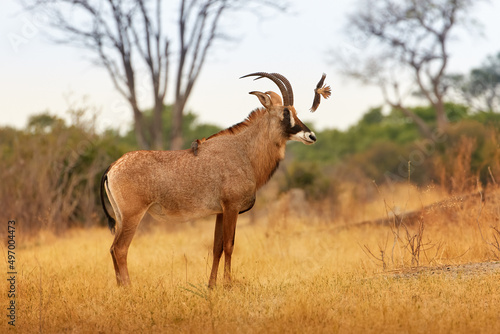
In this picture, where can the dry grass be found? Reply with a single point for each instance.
(296, 275)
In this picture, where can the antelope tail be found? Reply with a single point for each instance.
(111, 220)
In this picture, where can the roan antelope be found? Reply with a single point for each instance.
(219, 175)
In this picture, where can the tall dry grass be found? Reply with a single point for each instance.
(292, 274)
(370, 259)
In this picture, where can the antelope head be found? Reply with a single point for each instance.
(291, 126)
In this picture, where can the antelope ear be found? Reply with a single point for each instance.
(263, 98)
(275, 98)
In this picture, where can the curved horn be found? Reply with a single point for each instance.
(287, 85)
(280, 81)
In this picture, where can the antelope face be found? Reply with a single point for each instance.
(293, 127)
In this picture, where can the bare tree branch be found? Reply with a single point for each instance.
(126, 35)
(415, 34)
(195, 44)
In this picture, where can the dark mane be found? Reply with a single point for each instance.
(237, 128)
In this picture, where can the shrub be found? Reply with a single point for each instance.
(51, 173)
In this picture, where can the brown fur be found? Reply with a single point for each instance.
(237, 128)
(221, 178)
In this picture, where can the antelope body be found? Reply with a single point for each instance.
(221, 178)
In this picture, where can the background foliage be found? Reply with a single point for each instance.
(52, 168)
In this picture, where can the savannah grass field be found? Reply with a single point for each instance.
(292, 273)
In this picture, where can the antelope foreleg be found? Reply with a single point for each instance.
(217, 251)
(228, 231)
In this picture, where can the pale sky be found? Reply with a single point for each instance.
(36, 75)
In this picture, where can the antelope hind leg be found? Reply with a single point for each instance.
(119, 248)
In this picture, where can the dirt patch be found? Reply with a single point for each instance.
(469, 269)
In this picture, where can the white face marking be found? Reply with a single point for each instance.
(307, 138)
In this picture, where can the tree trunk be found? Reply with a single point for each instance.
(441, 118)
(139, 128)
(176, 141)
(157, 126)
